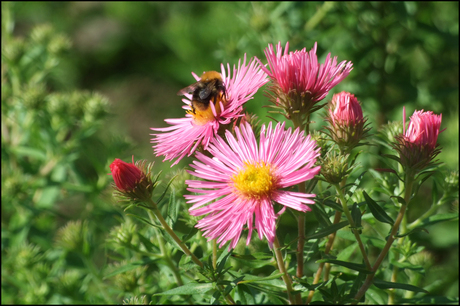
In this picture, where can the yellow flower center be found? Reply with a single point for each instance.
(255, 180)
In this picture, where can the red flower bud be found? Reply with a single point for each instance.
(126, 176)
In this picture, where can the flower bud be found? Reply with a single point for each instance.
(347, 124)
(132, 180)
(335, 166)
(417, 146)
(126, 176)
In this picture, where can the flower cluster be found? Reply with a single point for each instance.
(242, 178)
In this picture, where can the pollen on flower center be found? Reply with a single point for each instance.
(255, 180)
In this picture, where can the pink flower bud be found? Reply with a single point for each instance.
(345, 109)
(347, 124)
(424, 128)
(417, 145)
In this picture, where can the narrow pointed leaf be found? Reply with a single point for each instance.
(145, 221)
(346, 264)
(438, 218)
(377, 211)
(190, 288)
(262, 279)
(388, 285)
(328, 230)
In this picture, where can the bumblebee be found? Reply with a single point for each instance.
(209, 88)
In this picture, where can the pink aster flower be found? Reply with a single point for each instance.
(244, 179)
(299, 81)
(185, 135)
(417, 146)
(346, 120)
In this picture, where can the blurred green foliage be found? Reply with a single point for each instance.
(57, 142)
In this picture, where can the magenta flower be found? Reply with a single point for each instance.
(347, 124)
(299, 81)
(185, 135)
(245, 179)
(417, 146)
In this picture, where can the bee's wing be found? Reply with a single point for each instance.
(204, 94)
(187, 90)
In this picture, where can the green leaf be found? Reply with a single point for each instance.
(438, 218)
(321, 215)
(377, 211)
(262, 279)
(146, 242)
(131, 266)
(49, 196)
(222, 260)
(346, 253)
(418, 229)
(326, 231)
(349, 265)
(145, 221)
(192, 233)
(430, 300)
(400, 200)
(166, 189)
(357, 284)
(189, 289)
(407, 265)
(244, 295)
(254, 262)
(388, 285)
(173, 210)
(29, 152)
(333, 205)
(356, 183)
(356, 215)
(373, 241)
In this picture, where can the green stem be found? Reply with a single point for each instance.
(166, 257)
(173, 235)
(301, 241)
(282, 269)
(394, 275)
(329, 244)
(368, 282)
(428, 213)
(353, 226)
(182, 245)
(214, 254)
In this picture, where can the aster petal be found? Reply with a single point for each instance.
(294, 200)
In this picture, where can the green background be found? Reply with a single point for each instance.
(140, 54)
